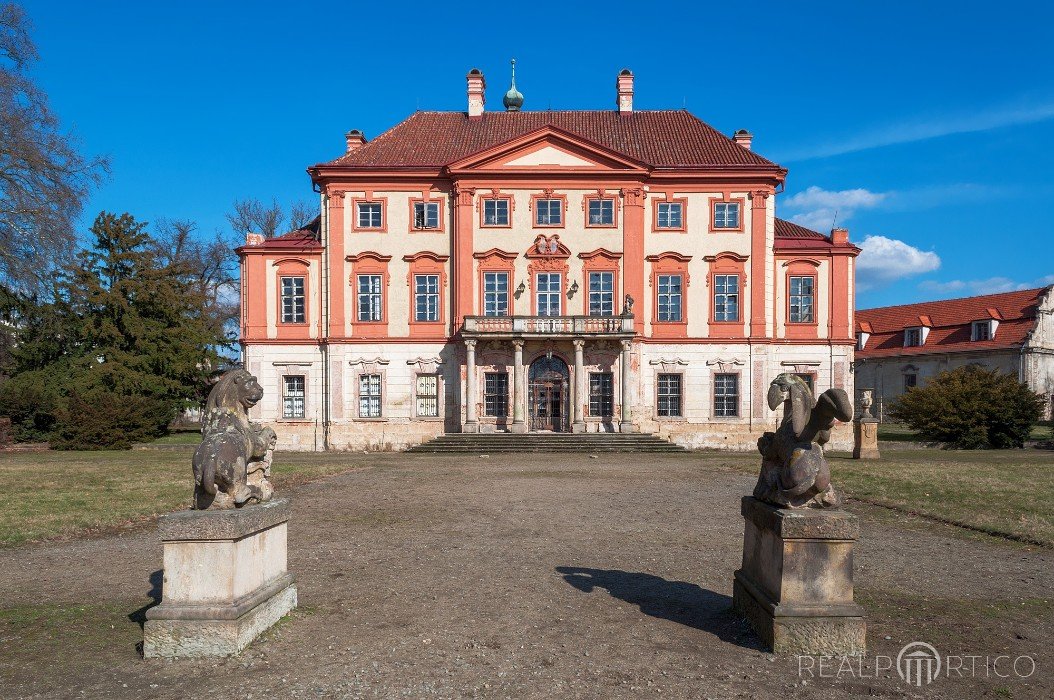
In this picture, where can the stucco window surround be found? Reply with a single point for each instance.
(656, 207)
(741, 204)
(548, 255)
(489, 214)
(669, 393)
(548, 195)
(285, 370)
(426, 263)
(669, 263)
(801, 268)
(608, 199)
(365, 368)
(418, 397)
(600, 260)
(727, 265)
(439, 203)
(495, 260)
(721, 383)
(355, 214)
(292, 268)
(369, 263)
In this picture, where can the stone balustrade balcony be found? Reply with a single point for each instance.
(614, 327)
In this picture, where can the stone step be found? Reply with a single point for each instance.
(576, 443)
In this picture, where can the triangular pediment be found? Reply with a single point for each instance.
(548, 149)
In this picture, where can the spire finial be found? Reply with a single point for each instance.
(513, 100)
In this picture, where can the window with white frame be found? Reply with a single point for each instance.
(726, 214)
(496, 394)
(426, 297)
(495, 293)
(371, 302)
(601, 293)
(426, 215)
(668, 390)
(669, 299)
(726, 395)
(292, 300)
(601, 212)
(913, 337)
(427, 390)
(369, 396)
(369, 214)
(982, 330)
(548, 212)
(726, 297)
(861, 339)
(548, 293)
(293, 396)
(670, 215)
(495, 212)
(801, 299)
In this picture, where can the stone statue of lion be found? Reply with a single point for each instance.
(794, 470)
(232, 465)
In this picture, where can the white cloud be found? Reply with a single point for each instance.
(819, 209)
(991, 285)
(922, 129)
(883, 260)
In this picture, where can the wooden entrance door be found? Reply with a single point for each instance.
(548, 394)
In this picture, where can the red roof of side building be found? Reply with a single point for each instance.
(791, 236)
(661, 139)
(305, 239)
(950, 324)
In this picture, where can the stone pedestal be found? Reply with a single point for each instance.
(865, 438)
(225, 580)
(796, 583)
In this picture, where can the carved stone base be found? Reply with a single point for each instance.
(796, 583)
(578, 427)
(865, 438)
(518, 428)
(225, 581)
(470, 427)
(628, 427)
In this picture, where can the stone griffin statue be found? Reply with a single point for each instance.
(232, 465)
(794, 471)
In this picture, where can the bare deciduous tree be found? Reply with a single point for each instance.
(253, 216)
(43, 178)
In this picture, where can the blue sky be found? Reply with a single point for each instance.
(927, 127)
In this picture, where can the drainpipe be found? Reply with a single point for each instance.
(324, 340)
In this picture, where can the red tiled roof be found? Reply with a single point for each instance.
(302, 239)
(950, 323)
(661, 139)
(787, 229)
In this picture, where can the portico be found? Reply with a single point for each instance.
(566, 383)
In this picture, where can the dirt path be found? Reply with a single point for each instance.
(538, 577)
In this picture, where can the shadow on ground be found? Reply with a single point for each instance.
(156, 579)
(678, 601)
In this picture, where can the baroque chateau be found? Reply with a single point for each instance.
(543, 271)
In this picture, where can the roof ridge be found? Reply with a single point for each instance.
(946, 301)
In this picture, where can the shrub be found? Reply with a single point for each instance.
(971, 408)
(31, 400)
(100, 419)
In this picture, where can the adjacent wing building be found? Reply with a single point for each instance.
(522, 271)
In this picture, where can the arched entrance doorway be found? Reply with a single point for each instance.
(548, 393)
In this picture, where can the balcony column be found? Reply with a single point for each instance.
(518, 398)
(471, 419)
(579, 394)
(626, 417)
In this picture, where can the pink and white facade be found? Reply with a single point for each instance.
(538, 271)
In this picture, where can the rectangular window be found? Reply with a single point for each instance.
(726, 297)
(601, 394)
(495, 293)
(910, 381)
(801, 299)
(293, 397)
(669, 394)
(370, 301)
(670, 215)
(726, 395)
(496, 394)
(548, 293)
(293, 300)
(912, 337)
(601, 212)
(495, 212)
(428, 395)
(426, 215)
(369, 214)
(369, 396)
(548, 212)
(982, 330)
(601, 293)
(726, 214)
(426, 297)
(669, 298)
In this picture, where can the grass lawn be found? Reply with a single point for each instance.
(51, 494)
(898, 432)
(181, 437)
(1006, 491)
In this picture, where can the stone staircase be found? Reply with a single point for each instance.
(578, 443)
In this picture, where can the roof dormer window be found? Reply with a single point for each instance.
(983, 330)
(915, 336)
(861, 339)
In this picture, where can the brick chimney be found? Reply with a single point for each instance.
(477, 87)
(743, 138)
(354, 139)
(840, 236)
(624, 92)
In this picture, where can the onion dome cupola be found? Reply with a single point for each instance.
(513, 99)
